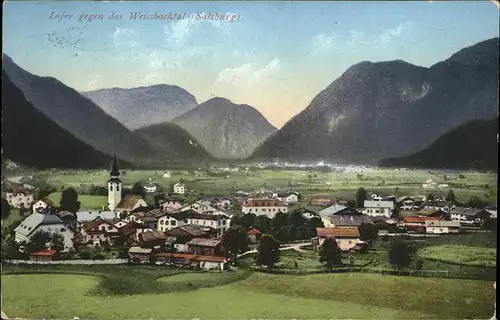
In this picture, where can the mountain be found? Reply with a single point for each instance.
(80, 116)
(30, 138)
(140, 107)
(390, 109)
(174, 140)
(225, 129)
(473, 145)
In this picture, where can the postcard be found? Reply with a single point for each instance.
(249, 160)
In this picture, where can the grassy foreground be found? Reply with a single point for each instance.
(467, 255)
(361, 296)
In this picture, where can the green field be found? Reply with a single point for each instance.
(361, 296)
(87, 202)
(342, 185)
(467, 255)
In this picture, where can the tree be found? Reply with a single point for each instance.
(268, 251)
(368, 232)
(57, 243)
(399, 254)
(263, 223)
(361, 196)
(430, 197)
(38, 242)
(69, 201)
(138, 189)
(329, 253)
(235, 241)
(450, 197)
(11, 249)
(475, 202)
(5, 209)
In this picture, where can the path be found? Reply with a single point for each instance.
(293, 246)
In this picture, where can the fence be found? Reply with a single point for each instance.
(70, 262)
(489, 275)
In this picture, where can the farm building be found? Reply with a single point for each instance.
(264, 207)
(138, 254)
(346, 238)
(378, 208)
(442, 226)
(42, 256)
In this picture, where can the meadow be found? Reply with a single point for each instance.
(347, 295)
(466, 255)
(335, 184)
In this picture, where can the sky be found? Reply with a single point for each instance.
(274, 56)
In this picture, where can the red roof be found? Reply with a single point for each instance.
(338, 232)
(44, 253)
(253, 232)
(417, 219)
(187, 256)
(210, 258)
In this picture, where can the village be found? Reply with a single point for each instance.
(191, 235)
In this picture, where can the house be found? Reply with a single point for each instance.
(492, 209)
(254, 235)
(205, 247)
(171, 205)
(128, 204)
(138, 254)
(407, 203)
(288, 197)
(218, 222)
(310, 214)
(146, 219)
(348, 221)
(150, 187)
(179, 188)
(429, 184)
(191, 260)
(469, 216)
(346, 238)
(219, 202)
(43, 256)
(200, 207)
(44, 222)
(378, 208)
(336, 209)
(166, 174)
(442, 226)
(42, 204)
(264, 207)
(438, 205)
(436, 213)
(210, 262)
(20, 199)
(152, 239)
(321, 201)
(416, 223)
(98, 232)
(179, 236)
(86, 216)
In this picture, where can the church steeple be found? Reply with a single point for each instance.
(114, 168)
(114, 186)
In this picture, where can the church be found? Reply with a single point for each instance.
(116, 202)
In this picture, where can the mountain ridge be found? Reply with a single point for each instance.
(227, 130)
(377, 110)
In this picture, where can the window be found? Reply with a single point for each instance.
(111, 187)
(224, 222)
(110, 227)
(62, 230)
(173, 222)
(350, 242)
(118, 187)
(161, 222)
(263, 209)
